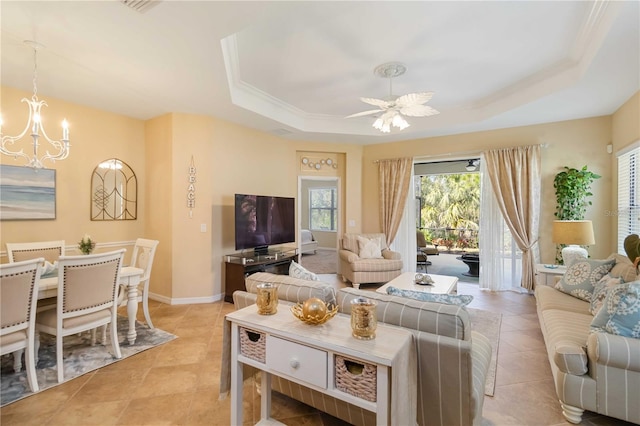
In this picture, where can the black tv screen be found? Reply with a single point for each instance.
(262, 221)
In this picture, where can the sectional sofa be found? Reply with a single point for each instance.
(452, 360)
(593, 370)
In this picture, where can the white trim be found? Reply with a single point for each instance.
(185, 300)
(630, 147)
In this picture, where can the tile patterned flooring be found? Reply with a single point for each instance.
(177, 383)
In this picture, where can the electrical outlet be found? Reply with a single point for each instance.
(203, 227)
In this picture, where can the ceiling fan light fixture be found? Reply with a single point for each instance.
(393, 108)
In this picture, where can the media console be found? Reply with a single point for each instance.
(240, 265)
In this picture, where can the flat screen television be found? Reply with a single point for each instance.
(262, 221)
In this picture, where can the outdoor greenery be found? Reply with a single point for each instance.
(450, 209)
(572, 187)
(323, 209)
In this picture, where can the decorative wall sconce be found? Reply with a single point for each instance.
(318, 164)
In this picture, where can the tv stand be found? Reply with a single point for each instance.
(240, 265)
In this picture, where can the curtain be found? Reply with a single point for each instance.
(405, 241)
(500, 265)
(515, 179)
(394, 178)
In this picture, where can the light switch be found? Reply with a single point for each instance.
(352, 223)
(203, 227)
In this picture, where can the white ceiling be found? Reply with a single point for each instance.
(298, 68)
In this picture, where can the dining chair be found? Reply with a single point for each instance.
(49, 250)
(87, 299)
(142, 257)
(18, 295)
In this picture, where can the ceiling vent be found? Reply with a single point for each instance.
(140, 6)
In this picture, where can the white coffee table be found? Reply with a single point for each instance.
(443, 284)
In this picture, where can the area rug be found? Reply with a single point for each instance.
(322, 262)
(488, 324)
(79, 358)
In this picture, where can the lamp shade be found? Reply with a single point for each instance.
(579, 232)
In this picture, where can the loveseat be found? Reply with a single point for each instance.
(593, 370)
(452, 360)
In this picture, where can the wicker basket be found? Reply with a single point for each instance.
(253, 344)
(356, 378)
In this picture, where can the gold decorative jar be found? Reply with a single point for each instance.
(267, 298)
(363, 318)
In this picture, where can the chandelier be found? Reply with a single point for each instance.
(60, 149)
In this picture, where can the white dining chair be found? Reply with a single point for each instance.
(87, 299)
(49, 250)
(18, 295)
(142, 257)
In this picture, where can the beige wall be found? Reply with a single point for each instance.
(95, 136)
(570, 143)
(233, 159)
(625, 130)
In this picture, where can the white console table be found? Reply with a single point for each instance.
(306, 354)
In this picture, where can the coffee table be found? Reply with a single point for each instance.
(443, 284)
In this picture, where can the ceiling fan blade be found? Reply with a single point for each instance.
(376, 102)
(414, 99)
(418, 111)
(363, 113)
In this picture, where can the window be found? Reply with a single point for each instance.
(323, 209)
(628, 193)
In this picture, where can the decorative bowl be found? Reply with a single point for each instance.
(314, 316)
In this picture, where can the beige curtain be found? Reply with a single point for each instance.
(515, 179)
(394, 177)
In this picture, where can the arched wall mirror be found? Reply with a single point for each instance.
(114, 191)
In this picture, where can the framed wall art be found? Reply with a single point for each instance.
(27, 193)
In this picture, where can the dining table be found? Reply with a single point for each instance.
(129, 280)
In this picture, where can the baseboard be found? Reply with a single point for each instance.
(185, 300)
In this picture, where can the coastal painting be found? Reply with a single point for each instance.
(27, 193)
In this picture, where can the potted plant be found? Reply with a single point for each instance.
(573, 187)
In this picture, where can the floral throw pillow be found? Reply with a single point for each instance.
(582, 276)
(298, 271)
(450, 299)
(620, 313)
(600, 292)
(369, 248)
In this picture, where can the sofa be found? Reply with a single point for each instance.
(360, 265)
(452, 360)
(593, 370)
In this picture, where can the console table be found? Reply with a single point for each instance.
(307, 354)
(240, 265)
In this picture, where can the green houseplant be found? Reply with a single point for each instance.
(573, 187)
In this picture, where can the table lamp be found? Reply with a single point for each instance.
(573, 233)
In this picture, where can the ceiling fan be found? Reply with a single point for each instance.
(393, 108)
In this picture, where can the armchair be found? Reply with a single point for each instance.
(365, 258)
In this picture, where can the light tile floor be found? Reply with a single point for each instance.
(177, 383)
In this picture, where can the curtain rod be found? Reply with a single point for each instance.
(464, 155)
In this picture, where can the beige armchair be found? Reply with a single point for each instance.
(357, 264)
